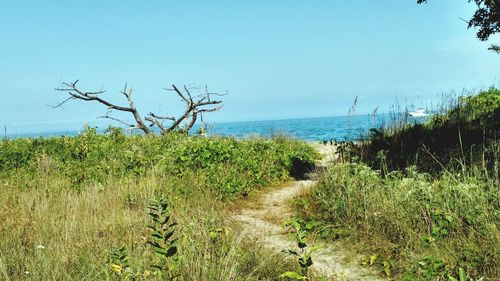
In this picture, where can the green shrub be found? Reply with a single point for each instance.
(229, 166)
(406, 217)
(75, 207)
(465, 135)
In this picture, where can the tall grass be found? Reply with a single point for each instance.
(61, 234)
(421, 201)
(465, 134)
(66, 203)
(408, 219)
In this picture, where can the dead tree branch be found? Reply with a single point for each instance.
(107, 116)
(194, 105)
(75, 93)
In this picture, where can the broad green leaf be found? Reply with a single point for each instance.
(157, 234)
(172, 251)
(462, 275)
(293, 275)
(161, 252)
(165, 220)
(168, 235)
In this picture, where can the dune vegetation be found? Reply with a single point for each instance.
(116, 207)
(419, 201)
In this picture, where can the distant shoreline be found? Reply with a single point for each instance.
(338, 128)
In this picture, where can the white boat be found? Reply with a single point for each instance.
(419, 112)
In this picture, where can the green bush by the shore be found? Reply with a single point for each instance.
(419, 201)
(463, 136)
(229, 166)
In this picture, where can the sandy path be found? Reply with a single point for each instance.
(262, 222)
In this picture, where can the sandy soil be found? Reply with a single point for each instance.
(263, 222)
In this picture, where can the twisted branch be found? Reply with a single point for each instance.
(194, 105)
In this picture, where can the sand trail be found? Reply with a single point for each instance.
(263, 222)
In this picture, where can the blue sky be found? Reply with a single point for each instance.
(277, 59)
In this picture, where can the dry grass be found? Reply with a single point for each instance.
(52, 233)
(419, 227)
(68, 202)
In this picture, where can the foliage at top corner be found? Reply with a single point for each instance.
(486, 18)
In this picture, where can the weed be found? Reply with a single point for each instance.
(303, 255)
(162, 240)
(119, 263)
(399, 217)
(95, 188)
(421, 198)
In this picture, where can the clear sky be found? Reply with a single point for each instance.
(277, 59)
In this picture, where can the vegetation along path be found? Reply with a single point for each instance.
(263, 221)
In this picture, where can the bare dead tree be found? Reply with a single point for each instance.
(194, 106)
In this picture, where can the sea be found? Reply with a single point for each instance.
(337, 128)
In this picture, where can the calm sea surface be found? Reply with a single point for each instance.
(313, 129)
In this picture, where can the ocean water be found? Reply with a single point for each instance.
(337, 128)
(312, 129)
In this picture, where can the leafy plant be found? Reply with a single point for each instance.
(427, 268)
(405, 215)
(465, 129)
(443, 224)
(119, 263)
(463, 276)
(162, 239)
(230, 167)
(79, 178)
(162, 242)
(303, 255)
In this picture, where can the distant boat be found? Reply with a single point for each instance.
(419, 112)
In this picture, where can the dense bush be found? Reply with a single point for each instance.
(464, 135)
(421, 201)
(229, 166)
(70, 206)
(412, 226)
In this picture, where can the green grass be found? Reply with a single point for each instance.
(66, 203)
(464, 135)
(229, 166)
(419, 201)
(411, 219)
